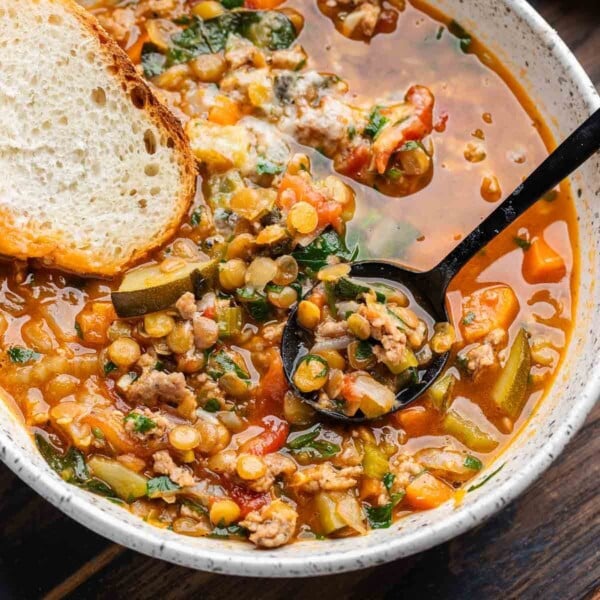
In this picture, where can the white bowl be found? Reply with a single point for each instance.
(565, 96)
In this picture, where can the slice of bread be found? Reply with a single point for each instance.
(94, 171)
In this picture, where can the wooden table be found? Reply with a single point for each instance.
(544, 545)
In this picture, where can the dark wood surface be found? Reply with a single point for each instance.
(544, 545)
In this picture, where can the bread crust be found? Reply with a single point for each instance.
(46, 248)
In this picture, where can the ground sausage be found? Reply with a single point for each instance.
(272, 526)
(325, 477)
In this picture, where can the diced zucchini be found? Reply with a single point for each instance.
(327, 508)
(407, 361)
(468, 433)
(229, 321)
(148, 289)
(128, 484)
(510, 390)
(440, 393)
(375, 462)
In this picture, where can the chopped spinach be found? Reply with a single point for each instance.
(308, 444)
(473, 463)
(380, 517)
(20, 355)
(314, 255)
(266, 167)
(363, 351)
(229, 4)
(485, 479)
(468, 318)
(376, 123)
(220, 363)
(160, 485)
(141, 423)
(196, 217)
(109, 367)
(271, 30)
(232, 530)
(153, 62)
(388, 480)
(212, 405)
(349, 289)
(71, 467)
(255, 303)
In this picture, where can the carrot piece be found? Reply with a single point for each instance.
(135, 50)
(414, 420)
(487, 309)
(224, 112)
(541, 264)
(427, 491)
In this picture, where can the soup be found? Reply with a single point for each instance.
(323, 131)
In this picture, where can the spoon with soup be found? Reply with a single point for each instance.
(381, 314)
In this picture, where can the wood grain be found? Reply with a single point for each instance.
(544, 545)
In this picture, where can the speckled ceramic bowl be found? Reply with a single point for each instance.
(565, 96)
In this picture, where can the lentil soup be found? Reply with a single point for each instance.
(323, 131)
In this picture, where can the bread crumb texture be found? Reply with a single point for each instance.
(95, 172)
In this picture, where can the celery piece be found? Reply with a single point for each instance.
(328, 515)
(229, 320)
(440, 392)
(468, 433)
(375, 462)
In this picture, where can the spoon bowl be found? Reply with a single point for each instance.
(428, 288)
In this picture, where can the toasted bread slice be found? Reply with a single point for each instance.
(94, 171)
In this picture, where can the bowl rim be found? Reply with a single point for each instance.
(154, 543)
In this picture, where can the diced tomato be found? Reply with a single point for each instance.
(440, 124)
(248, 500)
(294, 188)
(268, 398)
(270, 440)
(356, 163)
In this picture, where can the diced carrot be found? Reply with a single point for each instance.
(427, 491)
(263, 4)
(224, 112)
(487, 309)
(370, 488)
(415, 420)
(135, 50)
(541, 264)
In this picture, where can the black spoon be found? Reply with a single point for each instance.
(429, 288)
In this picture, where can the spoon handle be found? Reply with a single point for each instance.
(572, 153)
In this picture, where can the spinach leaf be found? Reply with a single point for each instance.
(308, 444)
(472, 462)
(266, 167)
(229, 4)
(364, 350)
(212, 405)
(380, 517)
(469, 318)
(221, 363)
(314, 255)
(159, 485)
(349, 289)
(71, 467)
(141, 423)
(232, 530)
(388, 480)
(153, 62)
(376, 123)
(485, 479)
(20, 355)
(109, 367)
(255, 303)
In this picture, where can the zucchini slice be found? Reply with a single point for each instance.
(148, 289)
(510, 390)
